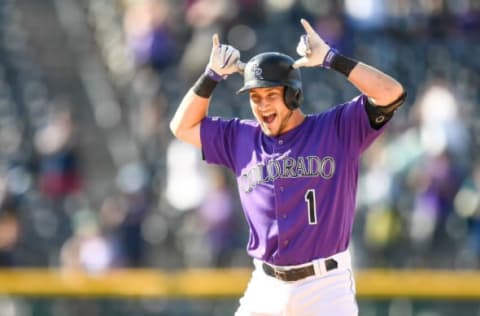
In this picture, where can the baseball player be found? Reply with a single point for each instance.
(296, 173)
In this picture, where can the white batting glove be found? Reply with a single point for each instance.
(311, 47)
(224, 60)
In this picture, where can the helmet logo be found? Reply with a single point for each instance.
(257, 72)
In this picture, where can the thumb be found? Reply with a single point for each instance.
(241, 66)
(300, 62)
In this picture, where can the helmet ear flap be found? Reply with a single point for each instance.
(293, 97)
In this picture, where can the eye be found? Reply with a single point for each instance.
(272, 95)
(255, 98)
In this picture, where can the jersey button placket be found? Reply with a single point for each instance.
(282, 215)
(282, 188)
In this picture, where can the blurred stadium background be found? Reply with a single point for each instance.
(91, 179)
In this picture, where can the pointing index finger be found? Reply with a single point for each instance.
(215, 40)
(308, 28)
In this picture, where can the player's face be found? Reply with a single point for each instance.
(268, 107)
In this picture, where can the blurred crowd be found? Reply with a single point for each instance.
(419, 189)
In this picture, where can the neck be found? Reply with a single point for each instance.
(294, 119)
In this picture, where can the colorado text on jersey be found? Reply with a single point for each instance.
(287, 167)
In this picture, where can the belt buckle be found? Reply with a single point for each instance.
(279, 274)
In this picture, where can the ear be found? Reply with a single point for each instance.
(292, 97)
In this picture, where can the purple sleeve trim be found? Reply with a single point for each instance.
(213, 75)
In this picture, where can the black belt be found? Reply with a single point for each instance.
(296, 274)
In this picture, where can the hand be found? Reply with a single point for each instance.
(224, 60)
(311, 47)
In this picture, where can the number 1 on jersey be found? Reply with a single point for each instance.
(311, 206)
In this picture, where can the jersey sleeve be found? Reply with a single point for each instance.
(218, 138)
(353, 124)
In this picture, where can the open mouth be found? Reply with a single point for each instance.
(269, 118)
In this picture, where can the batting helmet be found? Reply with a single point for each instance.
(274, 69)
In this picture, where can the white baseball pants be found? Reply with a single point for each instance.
(329, 293)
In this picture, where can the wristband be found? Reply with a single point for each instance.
(327, 61)
(335, 60)
(205, 85)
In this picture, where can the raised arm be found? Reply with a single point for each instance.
(382, 90)
(185, 124)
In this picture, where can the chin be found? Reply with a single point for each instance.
(266, 131)
(269, 132)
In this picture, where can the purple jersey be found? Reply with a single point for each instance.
(297, 189)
